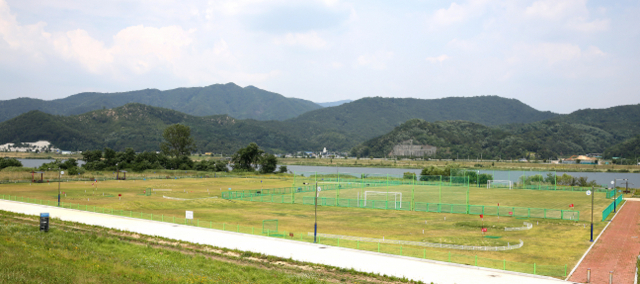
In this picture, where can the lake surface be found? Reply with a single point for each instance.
(34, 163)
(601, 178)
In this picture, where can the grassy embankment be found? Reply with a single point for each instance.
(77, 253)
(416, 164)
(551, 242)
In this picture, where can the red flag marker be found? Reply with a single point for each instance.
(481, 216)
(484, 230)
(510, 213)
(571, 205)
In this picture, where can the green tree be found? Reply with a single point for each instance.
(92, 156)
(179, 141)
(268, 163)
(245, 158)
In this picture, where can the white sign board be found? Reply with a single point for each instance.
(319, 188)
(588, 192)
(62, 172)
(189, 215)
(612, 182)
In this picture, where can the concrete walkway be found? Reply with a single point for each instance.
(416, 269)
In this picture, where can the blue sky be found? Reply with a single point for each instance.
(558, 55)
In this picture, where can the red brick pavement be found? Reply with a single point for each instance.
(616, 250)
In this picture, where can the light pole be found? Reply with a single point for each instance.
(615, 191)
(592, 196)
(59, 177)
(315, 225)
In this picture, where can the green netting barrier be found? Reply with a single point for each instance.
(547, 270)
(615, 204)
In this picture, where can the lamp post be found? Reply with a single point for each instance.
(315, 225)
(59, 178)
(592, 196)
(615, 191)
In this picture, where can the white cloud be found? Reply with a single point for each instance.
(556, 9)
(26, 38)
(554, 53)
(573, 13)
(377, 60)
(579, 24)
(310, 40)
(438, 58)
(457, 13)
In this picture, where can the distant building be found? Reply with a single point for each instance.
(407, 149)
(580, 159)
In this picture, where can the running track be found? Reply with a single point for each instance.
(417, 269)
(616, 250)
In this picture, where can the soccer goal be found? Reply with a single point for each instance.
(397, 197)
(499, 184)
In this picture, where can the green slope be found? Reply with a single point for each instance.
(621, 121)
(231, 99)
(140, 127)
(370, 117)
(628, 149)
(547, 139)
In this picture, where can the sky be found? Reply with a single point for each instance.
(557, 55)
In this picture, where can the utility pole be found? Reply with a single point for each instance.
(315, 225)
(59, 177)
(592, 196)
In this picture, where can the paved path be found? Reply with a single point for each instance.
(417, 269)
(616, 250)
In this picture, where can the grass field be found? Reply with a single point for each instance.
(550, 242)
(77, 253)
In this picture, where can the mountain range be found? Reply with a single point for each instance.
(368, 126)
(230, 99)
(612, 131)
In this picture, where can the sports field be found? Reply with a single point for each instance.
(549, 242)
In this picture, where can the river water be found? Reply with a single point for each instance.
(601, 178)
(34, 163)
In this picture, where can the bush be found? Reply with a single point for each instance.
(9, 162)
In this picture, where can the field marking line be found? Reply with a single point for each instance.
(594, 242)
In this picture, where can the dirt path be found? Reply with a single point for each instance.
(616, 250)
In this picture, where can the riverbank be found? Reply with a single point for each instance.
(480, 165)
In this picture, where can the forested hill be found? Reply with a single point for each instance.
(462, 139)
(628, 149)
(140, 127)
(370, 117)
(231, 99)
(621, 121)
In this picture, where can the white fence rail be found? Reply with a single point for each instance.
(423, 244)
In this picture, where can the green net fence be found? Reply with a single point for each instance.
(451, 195)
(611, 208)
(410, 251)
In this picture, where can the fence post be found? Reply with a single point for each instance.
(534, 268)
(504, 265)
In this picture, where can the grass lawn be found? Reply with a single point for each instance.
(77, 253)
(550, 242)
